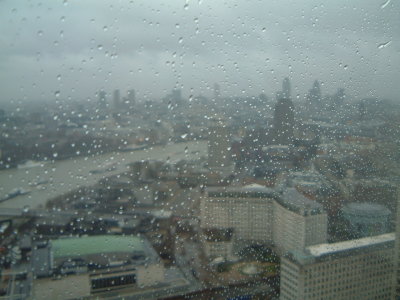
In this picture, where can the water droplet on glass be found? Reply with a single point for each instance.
(40, 33)
(57, 94)
(55, 154)
(58, 77)
(100, 47)
(180, 40)
(26, 209)
(65, 2)
(387, 2)
(186, 6)
(383, 45)
(105, 28)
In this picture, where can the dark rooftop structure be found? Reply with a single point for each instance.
(248, 191)
(298, 203)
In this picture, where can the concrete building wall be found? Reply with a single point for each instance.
(218, 249)
(316, 231)
(294, 231)
(396, 279)
(288, 229)
(357, 274)
(251, 218)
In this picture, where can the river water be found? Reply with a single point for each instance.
(70, 174)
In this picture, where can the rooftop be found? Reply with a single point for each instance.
(325, 249)
(366, 209)
(88, 245)
(297, 202)
(251, 188)
(327, 252)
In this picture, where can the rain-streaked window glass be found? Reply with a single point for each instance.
(197, 149)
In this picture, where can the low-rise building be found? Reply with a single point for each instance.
(103, 263)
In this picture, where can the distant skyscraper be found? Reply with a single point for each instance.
(102, 99)
(176, 95)
(286, 90)
(117, 99)
(284, 121)
(314, 95)
(338, 98)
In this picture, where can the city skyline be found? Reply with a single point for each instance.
(195, 45)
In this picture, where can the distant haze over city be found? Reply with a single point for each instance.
(247, 47)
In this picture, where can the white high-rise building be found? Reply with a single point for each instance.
(355, 269)
(396, 279)
(248, 210)
(298, 222)
(258, 214)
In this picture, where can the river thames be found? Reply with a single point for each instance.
(66, 175)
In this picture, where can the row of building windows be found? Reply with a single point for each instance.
(109, 282)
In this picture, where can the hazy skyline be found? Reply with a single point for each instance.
(247, 47)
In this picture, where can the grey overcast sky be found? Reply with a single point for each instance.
(152, 46)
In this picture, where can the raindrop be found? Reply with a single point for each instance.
(40, 33)
(184, 135)
(58, 77)
(385, 4)
(65, 2)
(180, 40)
(186, 6)
(26, 209)
(57, 94)
(105, 28)
(100, 47)
(383, 45)
(55, 154)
